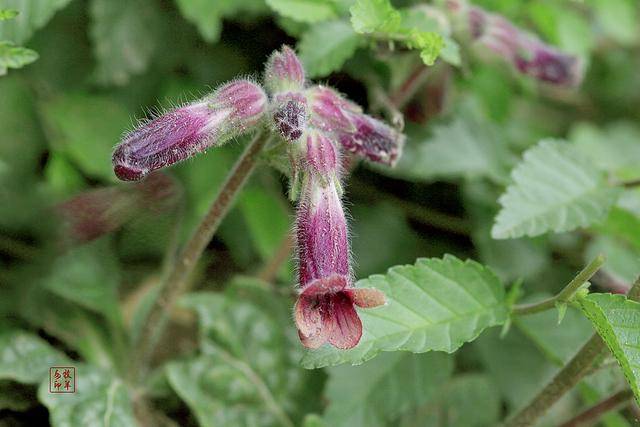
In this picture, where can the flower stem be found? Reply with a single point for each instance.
(594, 413)
(565, 294)
(567, 377)
(177, 278)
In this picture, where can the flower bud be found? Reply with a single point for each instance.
(183, 132)
(284, 72)
(321, 155)
(357, 132)
(547, 64)
(290, 115)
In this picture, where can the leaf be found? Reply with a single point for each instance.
(246, 372)
(618, 18)
(369, 16)
(461, 148)
(26, 358)
(101, 399)
(205, 15)
(623, 262)
(88, 275)
(6, 14)
(32, 15)
(433, 305)
(12, 56)
(86, 128)
(124, 35)
(554, 189)
(617, 320)
(326, 46)
(468, 400)
(372, 394)
(304, 10)
(428, 42)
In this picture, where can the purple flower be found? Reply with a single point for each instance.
(290, 115)
(357, 132)
(325, 309)
(284, 72)
(183, 132)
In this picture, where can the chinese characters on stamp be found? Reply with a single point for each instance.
(62, 379)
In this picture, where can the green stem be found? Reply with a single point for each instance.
(565, 294)
(594, 413)
(177, 279)
(579, 366)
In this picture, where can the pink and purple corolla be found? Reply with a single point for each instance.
(186, 131)
(325, 309)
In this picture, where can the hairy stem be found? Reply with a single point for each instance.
(593, 414)
(567, 377)
(565, 294)
(177, 278)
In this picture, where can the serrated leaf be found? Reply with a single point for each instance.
(326, 46)
(554, 189)
(12, 56)
(6, 14)
(368, 16)
(124, 34)
(101, 399)
(304, 10)
(246, 373)
(26, 358)
(433, 305)
(375, 393)
(32, 15)
(617, 320)
(428, 42)
(86, 127)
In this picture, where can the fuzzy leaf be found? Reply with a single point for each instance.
(101, 399)
(617, 320)
(32, 15)
(326, 46)
(12, 56)
(368, 16)
(433, 305)
(379, 391)
(304, 10)
(554, 189)
(26, 358)
(124, 35)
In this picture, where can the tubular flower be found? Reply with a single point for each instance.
(183, 132)
(357, 132)
(325, 309)
(524, 51)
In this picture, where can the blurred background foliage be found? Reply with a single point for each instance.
(81, 255)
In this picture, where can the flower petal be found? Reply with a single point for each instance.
(346, 327)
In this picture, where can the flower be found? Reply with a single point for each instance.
(357, 132)
(183, 132)
(284, 71)
(325, 309)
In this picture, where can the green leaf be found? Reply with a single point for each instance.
(101, 399)
(26, 358)
(88, 275)
(617, 321)
(205, 15)
(246, 372)
(326, 46)
(6, 14)
(12, 56)
(461, 148)
(86, 128)
(429, 43)
(468, 400)
(124, 35)
(304, 10)
(618, 18)
(433, 305)
(32, 15)
(554, 189)
(382, 389)
(368, 16)
(623, 262)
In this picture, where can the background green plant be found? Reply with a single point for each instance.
(531, 181)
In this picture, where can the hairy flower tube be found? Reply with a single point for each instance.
(181, 133)
(325, 309)
(524, 51)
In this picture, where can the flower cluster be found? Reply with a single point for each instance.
(317, 124)
(524, 51)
